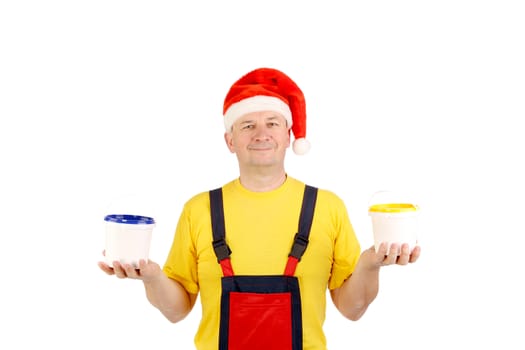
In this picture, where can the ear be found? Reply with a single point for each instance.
(229, 141)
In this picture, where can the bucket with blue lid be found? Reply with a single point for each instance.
(128, 238)
(394, 219)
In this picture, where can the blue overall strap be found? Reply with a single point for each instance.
(305, 224)
(222, 251)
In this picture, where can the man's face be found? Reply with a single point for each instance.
(259, 139)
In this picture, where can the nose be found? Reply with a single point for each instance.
(261, 134)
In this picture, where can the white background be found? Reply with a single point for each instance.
(106, 100)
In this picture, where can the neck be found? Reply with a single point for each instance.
(262, 182)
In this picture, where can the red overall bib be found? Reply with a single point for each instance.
(261, 312)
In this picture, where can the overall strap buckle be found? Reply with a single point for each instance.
(222, 251)
(305, 224)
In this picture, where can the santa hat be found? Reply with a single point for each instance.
(267, 89)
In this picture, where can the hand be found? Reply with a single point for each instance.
(147, 270)
(397, 255)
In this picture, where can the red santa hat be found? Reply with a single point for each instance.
(267, 89)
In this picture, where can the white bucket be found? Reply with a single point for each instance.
(394, 223)
(128, 238)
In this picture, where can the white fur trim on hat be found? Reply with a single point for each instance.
(256, 104)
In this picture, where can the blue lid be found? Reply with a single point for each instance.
(129, 219)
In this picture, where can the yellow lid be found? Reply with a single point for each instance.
(393, 208)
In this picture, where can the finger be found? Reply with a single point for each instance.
(392, 255)
(416, 252)
(131, 271)
(106, 268)
(143, 263)
(380, 253)
(404, 257)
(382, 250)
(119, 269)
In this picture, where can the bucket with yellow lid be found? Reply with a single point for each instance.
(394, 219)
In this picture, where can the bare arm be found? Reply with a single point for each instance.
(166, 294)
(360, 289)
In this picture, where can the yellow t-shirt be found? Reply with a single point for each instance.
(260, 228)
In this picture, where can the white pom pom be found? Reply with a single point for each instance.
(301, 146)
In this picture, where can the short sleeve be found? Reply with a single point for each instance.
(346, 249)
(181, 263)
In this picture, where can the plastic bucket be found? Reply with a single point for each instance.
(128, 238)
(394, 223)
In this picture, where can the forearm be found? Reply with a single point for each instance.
(357, 293)
(361, 288)
(170, 297)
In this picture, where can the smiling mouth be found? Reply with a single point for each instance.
(260, 147)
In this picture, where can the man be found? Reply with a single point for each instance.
(262, 249)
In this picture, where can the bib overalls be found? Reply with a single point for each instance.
(261, 312)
